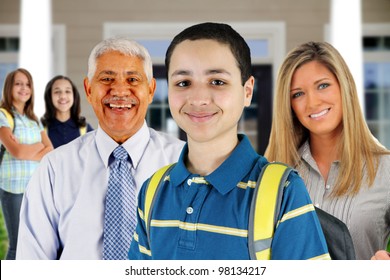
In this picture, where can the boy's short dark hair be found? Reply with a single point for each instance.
(222, 33)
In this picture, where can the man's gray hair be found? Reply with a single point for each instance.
(125, 46)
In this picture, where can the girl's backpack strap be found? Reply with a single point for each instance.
(11, 123)
(9, 117)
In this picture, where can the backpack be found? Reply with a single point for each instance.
(264, 212)
(11, 123)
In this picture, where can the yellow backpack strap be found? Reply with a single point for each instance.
(152, 189)
(265, 209)
(9, 117)
(11, 123)
(83, 130)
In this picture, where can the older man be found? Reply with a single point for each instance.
(80, 204)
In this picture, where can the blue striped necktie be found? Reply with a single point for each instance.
(120, 211)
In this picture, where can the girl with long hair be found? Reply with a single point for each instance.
(25, 143)
(62, 119)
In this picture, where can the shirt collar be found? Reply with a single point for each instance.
(105, 145)
(223, 178)
(135, 145)
(15, 112)
(306, 155)
(305, 152)
(68, 122)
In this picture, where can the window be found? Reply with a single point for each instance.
(376, 43)
(9, 50)
(9, 44)
(376, 46)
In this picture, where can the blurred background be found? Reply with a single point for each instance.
(56, 37)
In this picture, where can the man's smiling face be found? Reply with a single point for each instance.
(120, 93)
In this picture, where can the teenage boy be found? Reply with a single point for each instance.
(202, 209)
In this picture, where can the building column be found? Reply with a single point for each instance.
(346, 36)
(35, 53)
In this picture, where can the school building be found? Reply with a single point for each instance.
(271, 28)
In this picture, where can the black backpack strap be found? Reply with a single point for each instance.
(2, 151)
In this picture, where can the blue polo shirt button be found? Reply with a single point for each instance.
(190, 210)
(189, 181)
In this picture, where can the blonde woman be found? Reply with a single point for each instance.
(319, 128)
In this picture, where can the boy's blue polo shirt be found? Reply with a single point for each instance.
(197, 217)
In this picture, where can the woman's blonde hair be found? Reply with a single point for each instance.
(358, 147)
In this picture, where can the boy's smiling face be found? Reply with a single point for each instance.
(206, 96)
